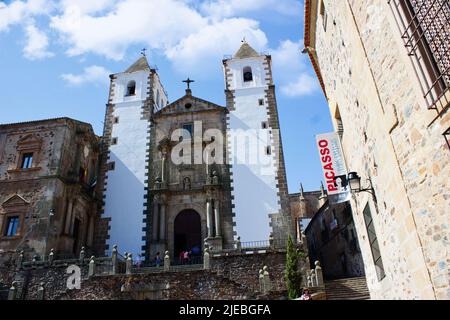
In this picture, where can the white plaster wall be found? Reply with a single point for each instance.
(255, 194)
(125, 189)
(163, 99)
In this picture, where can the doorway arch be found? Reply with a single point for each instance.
(187, 232)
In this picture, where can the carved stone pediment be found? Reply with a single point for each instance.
(15, 201)
(189, 103)
(29, 142)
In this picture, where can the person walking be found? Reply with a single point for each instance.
(158, 259)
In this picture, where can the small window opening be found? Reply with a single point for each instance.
(264, 125)
(12, 226)
(248, 75)
(189, 128)
(261, 102)
(323, 13)
(339, 123)
(27, 161)
(114, 141)
(268, 150)
(187, 183)
(131, 88)
(111, 166)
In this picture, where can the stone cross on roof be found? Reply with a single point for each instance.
(188, 81)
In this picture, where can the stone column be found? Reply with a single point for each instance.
(217, 218)
(318, 274)
(166, 261)
(209, 218)
(91, 271)
(69, 217)
(266, 280)
(162, 223)
(129, 264)
(155, 221)
(12, 295)
(313, 278)
(163, 166)
(41, 292)
(206, 260)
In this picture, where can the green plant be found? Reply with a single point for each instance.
(292, 275)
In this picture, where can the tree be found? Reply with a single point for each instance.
(292, 275)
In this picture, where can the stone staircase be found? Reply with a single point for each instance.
(347, 289)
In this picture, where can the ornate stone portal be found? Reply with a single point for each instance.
(190, 200)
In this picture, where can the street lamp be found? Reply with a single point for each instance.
(355, 184)
(354, 181)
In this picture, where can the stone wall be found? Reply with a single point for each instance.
(241, 281)
(391, 137)
(244, 268)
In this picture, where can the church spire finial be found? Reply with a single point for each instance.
(322, 189)
(144, 52)
(302, 192)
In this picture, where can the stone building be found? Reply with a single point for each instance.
(48, 172)
(193, 170)
(332, 239)
(190, 200)
(304, 205)
(384, 68)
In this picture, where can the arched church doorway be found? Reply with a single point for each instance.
(187, 233)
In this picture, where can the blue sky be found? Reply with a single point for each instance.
(55, 58)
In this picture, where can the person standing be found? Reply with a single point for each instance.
(158, 260)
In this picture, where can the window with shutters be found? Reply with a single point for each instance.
(425, 31)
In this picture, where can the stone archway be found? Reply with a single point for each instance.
(187, 231)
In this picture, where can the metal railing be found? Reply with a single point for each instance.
(193, 260)
(426, 32)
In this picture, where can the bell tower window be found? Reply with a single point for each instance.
(131, 88)
(248, 75)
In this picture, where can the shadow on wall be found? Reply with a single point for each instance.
(124, 203)
(254, 200)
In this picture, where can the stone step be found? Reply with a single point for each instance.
(347, 289)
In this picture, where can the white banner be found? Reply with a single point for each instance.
(333, 166)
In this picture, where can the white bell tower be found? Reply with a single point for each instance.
(259, 189)
(134, 95)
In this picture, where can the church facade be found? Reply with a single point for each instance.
(178, 176)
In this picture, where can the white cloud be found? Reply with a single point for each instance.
(37, 43)
(193, 36)
(229, 8)
(159, 24)
(288, 56)
(290, 68)
(83, 6)
(303, 86)
(192, 42)
(202, 50)
(93, 74)
(18, 12)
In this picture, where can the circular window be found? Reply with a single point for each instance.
(188, 105)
